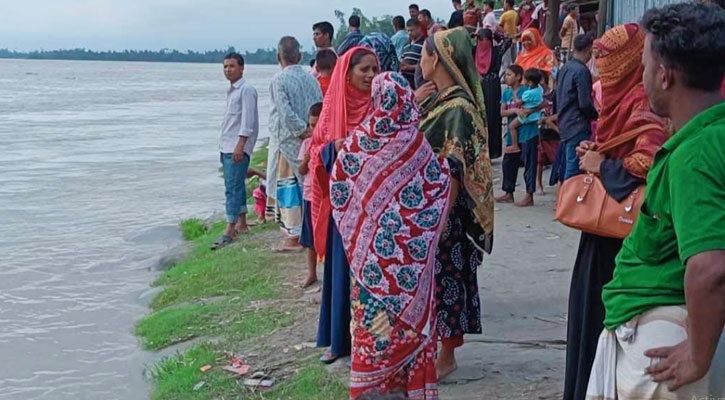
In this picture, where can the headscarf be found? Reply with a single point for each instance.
(484, 51)
(454, 137)
(624, 101)
(538, 56)
(343, 108)
(384, 49)
(389, 192)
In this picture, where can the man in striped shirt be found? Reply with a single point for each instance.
(412, 52)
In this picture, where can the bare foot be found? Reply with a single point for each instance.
(308, 282)
(286, 248)
(541, 192)
(528, 201)
(445, 368)
(506, 198)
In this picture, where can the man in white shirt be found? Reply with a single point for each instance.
(236, 144)
(489, 20)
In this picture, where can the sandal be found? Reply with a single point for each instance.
(222, 241)
(328, 358)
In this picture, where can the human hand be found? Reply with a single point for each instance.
(339, 143)
(513, 149)
(583, 148)
(523, 112)
(424, 92)
(306, 134)
(678, 364)
(591, 162)
(238, 154)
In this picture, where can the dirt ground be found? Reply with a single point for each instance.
(523, 286)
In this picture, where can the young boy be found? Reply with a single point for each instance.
(530, 101)
(548, 136)
(326, 60)
(528, 138)
(307, 237)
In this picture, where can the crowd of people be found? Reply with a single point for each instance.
(380, 167)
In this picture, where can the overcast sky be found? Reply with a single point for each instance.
(178, 24)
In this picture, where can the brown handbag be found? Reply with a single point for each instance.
(583, 202)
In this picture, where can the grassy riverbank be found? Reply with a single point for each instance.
(244, 300)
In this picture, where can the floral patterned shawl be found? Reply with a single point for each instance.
(455, 126)
(389, 192)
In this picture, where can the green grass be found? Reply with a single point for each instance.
(175, 378)
(178, 324)
(208, 294)
(259, 158)
(311, 383)
(192, 228)
(230, 271)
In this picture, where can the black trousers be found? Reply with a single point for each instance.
(529, 153)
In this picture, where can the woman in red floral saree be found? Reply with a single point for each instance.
(389, 192)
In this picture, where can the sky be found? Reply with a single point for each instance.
(179, 24)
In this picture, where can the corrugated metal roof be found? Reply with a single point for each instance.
(624, 11)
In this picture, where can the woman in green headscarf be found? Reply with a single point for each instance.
(454, 124)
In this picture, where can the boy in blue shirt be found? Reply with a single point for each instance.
(527, 136)
(530, 101)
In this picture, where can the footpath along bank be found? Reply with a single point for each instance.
(244, 301)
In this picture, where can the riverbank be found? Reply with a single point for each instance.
(242, 301)
(245, 300)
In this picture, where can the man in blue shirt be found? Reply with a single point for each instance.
(400, 39)
(352, 38)
(574, 101)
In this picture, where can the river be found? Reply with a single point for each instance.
(99, 161)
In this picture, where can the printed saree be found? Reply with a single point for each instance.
(389, 193)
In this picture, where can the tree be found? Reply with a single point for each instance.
(551, 37)
(382, 24)
(260, 56)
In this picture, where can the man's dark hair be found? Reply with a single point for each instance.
(533, 75)
(516, 69)
(510, 3)
(326, 60)
(235, 56)
(289, 49)
(414, 7)
(457, 1)
(354, 21)
(583, 42)
(491, 4)
(691, 39)
(315, 110)
(399, 22)
(426, 13)
(412, 22)
(325, 27)
(571, 7)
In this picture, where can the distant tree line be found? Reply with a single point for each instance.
(261, 56)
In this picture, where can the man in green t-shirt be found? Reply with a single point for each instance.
(665, 306)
